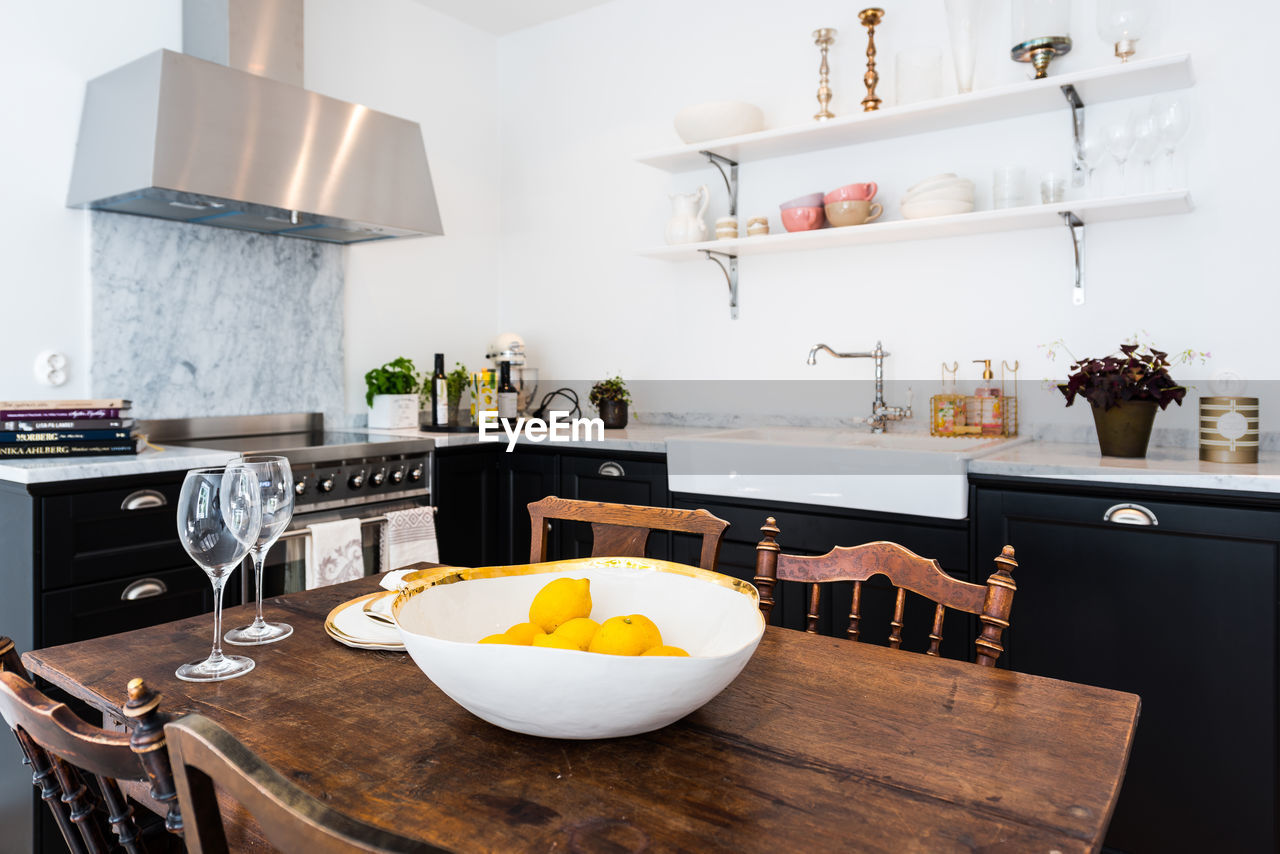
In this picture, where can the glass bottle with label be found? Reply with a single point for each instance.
(508, 395)
(439, 394)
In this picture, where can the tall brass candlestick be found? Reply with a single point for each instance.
(823, 39)
(870, 18)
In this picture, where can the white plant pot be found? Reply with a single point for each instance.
(394, 411)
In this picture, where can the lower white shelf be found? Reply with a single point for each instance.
(1106, 209)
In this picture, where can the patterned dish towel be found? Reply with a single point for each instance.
(409, 537)
(334, 553)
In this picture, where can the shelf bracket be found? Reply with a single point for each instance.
(730, 177)
(730, 271)
(1078, 169)
(1076, 226)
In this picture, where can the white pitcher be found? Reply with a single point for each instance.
(686, 225)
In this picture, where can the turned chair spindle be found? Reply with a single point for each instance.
(622, 530)
(991, 602)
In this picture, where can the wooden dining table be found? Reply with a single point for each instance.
(820, 744)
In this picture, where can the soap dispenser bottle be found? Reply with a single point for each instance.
(988, 401)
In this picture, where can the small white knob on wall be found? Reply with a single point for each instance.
(51, 368)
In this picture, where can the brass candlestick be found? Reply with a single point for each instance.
(870, 18)
(823, 39)
(1040, 52)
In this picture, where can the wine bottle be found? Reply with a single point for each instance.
(439, 394)
(507, 394)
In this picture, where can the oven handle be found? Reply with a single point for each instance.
(306, 532)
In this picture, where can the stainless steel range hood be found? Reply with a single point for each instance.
(178, 137)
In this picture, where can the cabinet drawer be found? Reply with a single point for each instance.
(94, 610)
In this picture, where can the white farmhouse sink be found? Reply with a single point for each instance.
(915, 474)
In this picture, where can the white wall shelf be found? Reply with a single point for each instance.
(1113, 82)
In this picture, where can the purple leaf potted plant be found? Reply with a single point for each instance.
(1124, 390)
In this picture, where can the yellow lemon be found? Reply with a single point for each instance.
(666, 650)
(523, 634)
(630, 635)
(500, 637)
(579, 631)
(560, 601)
(555, 641)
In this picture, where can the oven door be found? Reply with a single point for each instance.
(285, 568)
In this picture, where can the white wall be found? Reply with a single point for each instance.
(48, 51)
(583, 95)
(436, 294)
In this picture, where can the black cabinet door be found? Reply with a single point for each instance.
(639, 479)
(1182, 613)
(526, 475)
(466, 496)
(811, 530)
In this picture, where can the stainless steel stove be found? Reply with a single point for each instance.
(337, 475)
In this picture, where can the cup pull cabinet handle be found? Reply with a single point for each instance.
(611, 469)
(144, 588)
(1130, 514)
(143, 499)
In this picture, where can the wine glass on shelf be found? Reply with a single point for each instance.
(219, 514)
(1092, 151)
(1119, 137)
(1172, 119)
(275, 489)
(1146, 139)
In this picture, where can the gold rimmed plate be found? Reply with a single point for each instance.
(348, 624)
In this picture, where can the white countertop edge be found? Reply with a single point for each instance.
(52, 469)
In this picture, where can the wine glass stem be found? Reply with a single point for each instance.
(258, 558)
(218, 583)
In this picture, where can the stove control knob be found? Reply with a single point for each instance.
(378, 477)
(397, 475)
(415, 473)
(357, 480)
(326, 485)
(300, 487)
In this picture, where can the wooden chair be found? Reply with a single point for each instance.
(622, 530)
(906, 570)
(205, 754)
(61, 749)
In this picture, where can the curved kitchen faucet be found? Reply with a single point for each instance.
(880, 412)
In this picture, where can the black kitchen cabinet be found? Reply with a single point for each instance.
(1182, 612)
(527, 475)
(465, 488)
(812, 530)
(619, 478)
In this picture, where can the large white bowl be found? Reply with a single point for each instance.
(941, 207)
(559, 693)
(718, 119)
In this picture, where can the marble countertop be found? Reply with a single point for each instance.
(638, 438)
(149, 461)
(1180, 467)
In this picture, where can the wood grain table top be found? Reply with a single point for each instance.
(820, 744)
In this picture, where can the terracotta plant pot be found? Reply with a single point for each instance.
(613, 413)
(1125, 429)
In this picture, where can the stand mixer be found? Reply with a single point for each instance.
(509, 347)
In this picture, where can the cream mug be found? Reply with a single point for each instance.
(853, 213)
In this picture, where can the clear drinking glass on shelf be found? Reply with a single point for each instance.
(1146, 139)
(1172, 119)
(1008, 187)
(1120, 144)
(965, 19)
(1093, 150)
(275, 489)
(219, 514)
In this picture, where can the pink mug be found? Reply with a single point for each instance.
(852, 193)
(803, 219)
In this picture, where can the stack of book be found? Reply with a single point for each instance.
(66, 428)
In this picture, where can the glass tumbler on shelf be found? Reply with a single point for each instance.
(219, 514)
(1008, 187)
(275, 488)
(1053, 187)
(917, 75)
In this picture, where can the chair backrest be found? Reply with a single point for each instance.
(204, 754)
(622, 530)
(906, 570)
(61, 749)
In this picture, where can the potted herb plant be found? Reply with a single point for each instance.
(455, 381)
(1124, 389)
(610, 398)
(392, 394)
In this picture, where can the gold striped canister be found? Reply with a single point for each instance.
(1229, 429)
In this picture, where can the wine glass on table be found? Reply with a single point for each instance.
(219, 514)
(275, 489)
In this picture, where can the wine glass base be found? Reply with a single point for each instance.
(228, 667)
(258, 635)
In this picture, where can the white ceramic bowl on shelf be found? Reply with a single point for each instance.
(718, 119)
(931, 208)
(559, 693)
(956, 191)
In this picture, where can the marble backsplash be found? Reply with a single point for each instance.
(188, 320)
